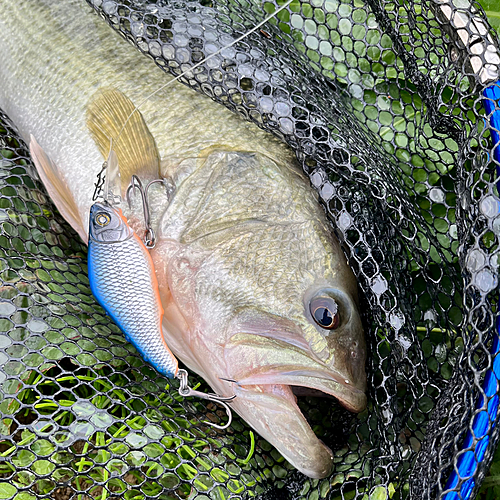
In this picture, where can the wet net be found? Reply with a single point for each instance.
(384, 105)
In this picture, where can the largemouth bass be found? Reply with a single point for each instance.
(256, 293)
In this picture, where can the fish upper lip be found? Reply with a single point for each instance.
(318, 376)
(297, 371)
(349, 395)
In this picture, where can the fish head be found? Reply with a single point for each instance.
(321, 347)
(261, 299)
(107, 224)
(259, 350)
(259, 334)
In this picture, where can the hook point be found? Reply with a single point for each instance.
(185, 391)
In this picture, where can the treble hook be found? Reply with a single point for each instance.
(185, 391)
(149, 235)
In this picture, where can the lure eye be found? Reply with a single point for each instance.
(325, 312)
(102, 219)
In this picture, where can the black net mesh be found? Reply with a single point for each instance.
(381, 102)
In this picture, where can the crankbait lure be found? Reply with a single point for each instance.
(122, 279)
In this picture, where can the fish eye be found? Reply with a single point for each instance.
(325, 312)
(102, 219)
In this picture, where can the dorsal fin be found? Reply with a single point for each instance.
(133, 143)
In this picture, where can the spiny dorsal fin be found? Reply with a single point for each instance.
(134, 146)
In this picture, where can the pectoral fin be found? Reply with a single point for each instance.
(57, 188)
(114, 122)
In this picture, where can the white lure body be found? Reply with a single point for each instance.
(122, 279)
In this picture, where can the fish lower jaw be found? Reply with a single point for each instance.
(266, 401)
(273, 412)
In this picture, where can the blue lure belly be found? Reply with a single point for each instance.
(122, 279)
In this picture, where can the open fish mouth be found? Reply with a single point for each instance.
(267, 360)
(268, 404)
(352, 398)
(266, 367)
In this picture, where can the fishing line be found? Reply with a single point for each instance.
(197, 65)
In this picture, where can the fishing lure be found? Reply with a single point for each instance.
(123, 280)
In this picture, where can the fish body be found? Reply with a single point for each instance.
(254, 287)
(53, 69)
(122, 279)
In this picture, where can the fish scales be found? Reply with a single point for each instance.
(254, 287)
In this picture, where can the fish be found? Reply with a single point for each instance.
(256, 292)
